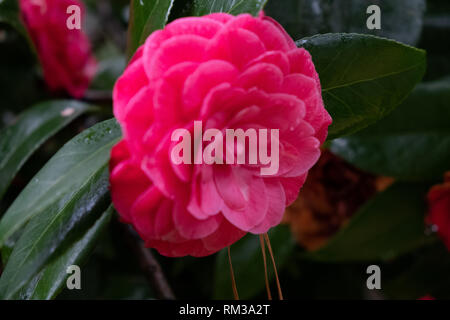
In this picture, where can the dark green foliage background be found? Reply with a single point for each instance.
(388, 230)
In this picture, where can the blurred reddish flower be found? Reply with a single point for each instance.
(439, 209)
(333, 192)
(65, 55)
(427, 297)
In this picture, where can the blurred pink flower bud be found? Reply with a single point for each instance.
(65, 54)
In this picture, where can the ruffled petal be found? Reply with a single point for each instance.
(206, 28)
(208, 75)
(178, 49)
(292, 187)
(205, 200)
(277, 205)
(192, 228)
(264, 76)
(127, 86)
(237, 46)
(128, 182)
(252, 206)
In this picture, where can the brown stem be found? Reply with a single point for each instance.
(150, 266)
(263, 248)
(233, 279)
(280, 293)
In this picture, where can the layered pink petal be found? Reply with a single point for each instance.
(237, 46)
(252, 206)
(241, 73)
(127, 184)
(205, 199)
(207, 76)
(277, 204)
(276, 58)
(127, 86)
(143, 212)
(292, 187)
(264, 76)
(206, 28)
(179, 49)
(192, 228)
(271, 35)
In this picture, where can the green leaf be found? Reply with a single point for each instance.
(32, 129)
(413, 143)
(423, 273)
(60, 180)
(52, 278)
(389, 225)
(301, 18)
(248, 263)
(9, 244)
(146, 16)
(235, 7)
(401, 20)
(363, 77)
(48, 230)
(10, 14)
(111, 64)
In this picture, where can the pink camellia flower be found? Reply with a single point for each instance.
(226, 71)
(64, 53)
(439, 209)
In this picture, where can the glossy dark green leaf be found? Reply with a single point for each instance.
(363, 77)
(53, 228)
(401, 20)
(235, 7)
(425, 272)
(301, 18)
(60, 180)
(52, 278)
(413, 143)
(248, 264)
(9, 244)
(389, 225)
(146, 16)
(32, 128)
